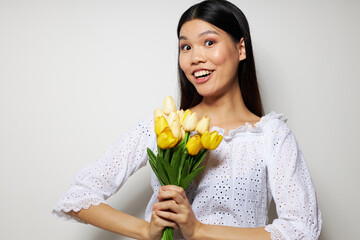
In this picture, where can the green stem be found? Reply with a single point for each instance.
(168, 234)
(187, 136)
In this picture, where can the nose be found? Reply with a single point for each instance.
(197, 56)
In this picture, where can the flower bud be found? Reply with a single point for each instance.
(160, 124)
(190, 121)
(203, 125)
(183, 133)
(173, 117)
(180, 113)
(183, 115)
(158, 113)
(176, 130)
(169, 105)
(211, 140)
(166, 139)
(194, 145)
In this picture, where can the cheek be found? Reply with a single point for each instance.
(184, 65)
(227, 59)
(219, 57)
(182, 62)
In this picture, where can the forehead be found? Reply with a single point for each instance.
(196, 27)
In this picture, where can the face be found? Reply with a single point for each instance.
(209, 58)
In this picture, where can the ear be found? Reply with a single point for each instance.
(241, 47)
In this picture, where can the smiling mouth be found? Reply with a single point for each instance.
(202, 74)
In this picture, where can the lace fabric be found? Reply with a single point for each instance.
(64, 207)
(275, 234)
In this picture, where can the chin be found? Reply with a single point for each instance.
(207, 93)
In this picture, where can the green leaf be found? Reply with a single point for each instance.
(188, 179)
(153, 166)
(152, 157)
(175, 160)
(167, 155)
(161, 171)
(198, 159)
(186, 169)
(170, 172)
(181, 144)
(181, 166)
(160, 151)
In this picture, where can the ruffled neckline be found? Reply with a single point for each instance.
(248, 128)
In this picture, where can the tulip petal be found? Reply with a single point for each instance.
(160, 124)
(169, 105)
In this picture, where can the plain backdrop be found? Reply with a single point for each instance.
(74, 75)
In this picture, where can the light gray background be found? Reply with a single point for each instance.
(74, 75)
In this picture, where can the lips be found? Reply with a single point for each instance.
(202, 75)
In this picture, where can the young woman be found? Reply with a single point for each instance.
(258, 159)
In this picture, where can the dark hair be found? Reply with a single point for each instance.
(231, 19)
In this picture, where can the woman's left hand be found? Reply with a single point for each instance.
(174, 205)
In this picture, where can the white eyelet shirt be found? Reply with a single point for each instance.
(252, 165)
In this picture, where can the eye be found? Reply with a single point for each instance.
(185, 47)
(208, 43)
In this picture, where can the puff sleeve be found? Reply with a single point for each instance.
(100, 180)
(291, 186)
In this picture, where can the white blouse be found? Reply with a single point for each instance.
(252, 165)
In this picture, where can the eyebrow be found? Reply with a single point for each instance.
(201, 34)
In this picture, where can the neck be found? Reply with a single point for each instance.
(227, 111)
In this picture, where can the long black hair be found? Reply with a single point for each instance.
(231, 19)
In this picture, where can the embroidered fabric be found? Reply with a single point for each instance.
(252, 165)
(275, 234)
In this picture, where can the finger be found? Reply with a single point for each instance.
(162, 222)
(167, 215)
(170, 194)
(177, 189)
(167, 205)
(174, 188)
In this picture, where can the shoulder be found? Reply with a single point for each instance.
(274, 125)
(146, 124)
(142, 129)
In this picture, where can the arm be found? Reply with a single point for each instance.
(223, 232)
(110, 219)
(174, 198)
(290, 183)
(85, 201)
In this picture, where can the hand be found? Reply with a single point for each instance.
(173, 198)
(157, 225)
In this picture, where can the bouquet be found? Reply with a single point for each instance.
(180, 153)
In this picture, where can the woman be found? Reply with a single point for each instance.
(258, 159)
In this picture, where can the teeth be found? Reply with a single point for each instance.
(202, 73)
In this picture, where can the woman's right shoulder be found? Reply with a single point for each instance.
(143, 129)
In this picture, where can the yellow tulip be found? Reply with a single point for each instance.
(211, 140)
(176, 130)
(160, 124)
(158, 113)
(194, 145)
(169, 105)
(182, 133)
(166, 139)
(180, 113)
(183, 114)
(203, 125)
(173, 117)
(190, 121)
